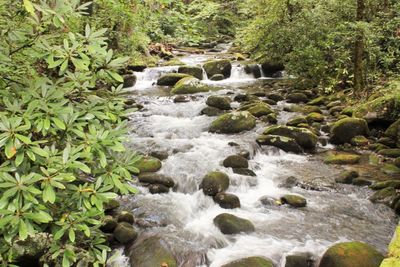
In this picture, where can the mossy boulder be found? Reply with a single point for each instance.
(315, 117)
(234, 122)
(235, 161)
(227, 201)
(299, 260)
(151, 252)
(351, 254)
(129, 80)
(342, 158)
(194, 71)
(212, 112)
(155, 178)
(345, 129)
(257, 108)
(24, 252)
(125, 233)
(384, 196)
(347, 177)
(250, 262)
(287, 144)
(214, 183)
(108, 224)
(112, 204)
(304, 137)
(297, 98)
(275, 96)
(126, 216)
(393, 132)
(170, 79)
(381, 185)
(295, 201)
(390, 169)
(230, 224)
(190, 85)
(319, 101)
(359, 140)
(296, 121)
(391, 152)
(361, 182)
(148, 164)
(220, 102)
(223, 67)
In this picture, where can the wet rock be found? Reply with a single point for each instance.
(257, 109)
(304, 109)
(276, 97)
(299, 260)
(245, 154)
(270, 118)
(217, 77)
(212, 112)
(342, 158)
(158, 189)
(271, 68)
(230, 224)
(244, 172)
(334, 104)
(125, 233)
(148, 164)
(137, 68)
(315, 117)
(161, 155)
(214, 183)
(108, 224)
(285, 143)
(190, 85)
(345, 129)
(326, 128)
(361, 182)
(351, 254)
(170, 79)
(181, 99)
(126, 216)
(289, 182)
(381, 185)
(393, 132)
(151, 252)
(235, 161)
(269, 102)
(234, 122)
(194, 71)
(304, 137)
(297, 98)
(270, 201)
(384, 196)
(253, 69)
(245, 98)
(155, 178)
(296, 121)
(220, 102)
(390, 169)
(387, 141)
(250, 262)
(112, 204)
(294, 201)
(25, 252)
(129, 80)
(347, 177)
(391, 153)
(227, 201)
(223, 67)
(359, 141)
(319, 101)
(337, 110)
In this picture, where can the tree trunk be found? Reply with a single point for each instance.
(359, 81)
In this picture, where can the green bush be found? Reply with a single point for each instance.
(61, 131)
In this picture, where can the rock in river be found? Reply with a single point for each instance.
(227, 201)
(234, 122)
(250, 262)
(125, 233)
(236, 161)
(230, 224)
(351, 254)
(223, 67)
(345, 129)
(294, 201)
(190, 85)
(214, 183)
(148, 164)
(194, 71)
(220, 102)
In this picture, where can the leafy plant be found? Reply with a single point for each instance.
(61, 131)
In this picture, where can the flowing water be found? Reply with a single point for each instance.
(184, 217)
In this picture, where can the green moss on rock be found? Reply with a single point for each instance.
(342, 158)
(345, 129)
(148, 164)
(190, 85)
(194, 71)
(351, 254)
(234, 122)
(250, 262)
(214, 183)
(223, 67)
(170, 79)
(304, 137)
(230, 224)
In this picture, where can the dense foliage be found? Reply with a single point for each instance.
(315, 39)
(61, 131)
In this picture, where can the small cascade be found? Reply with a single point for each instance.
(238, 73)
(149, 76)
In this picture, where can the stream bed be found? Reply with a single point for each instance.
(184, 216)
